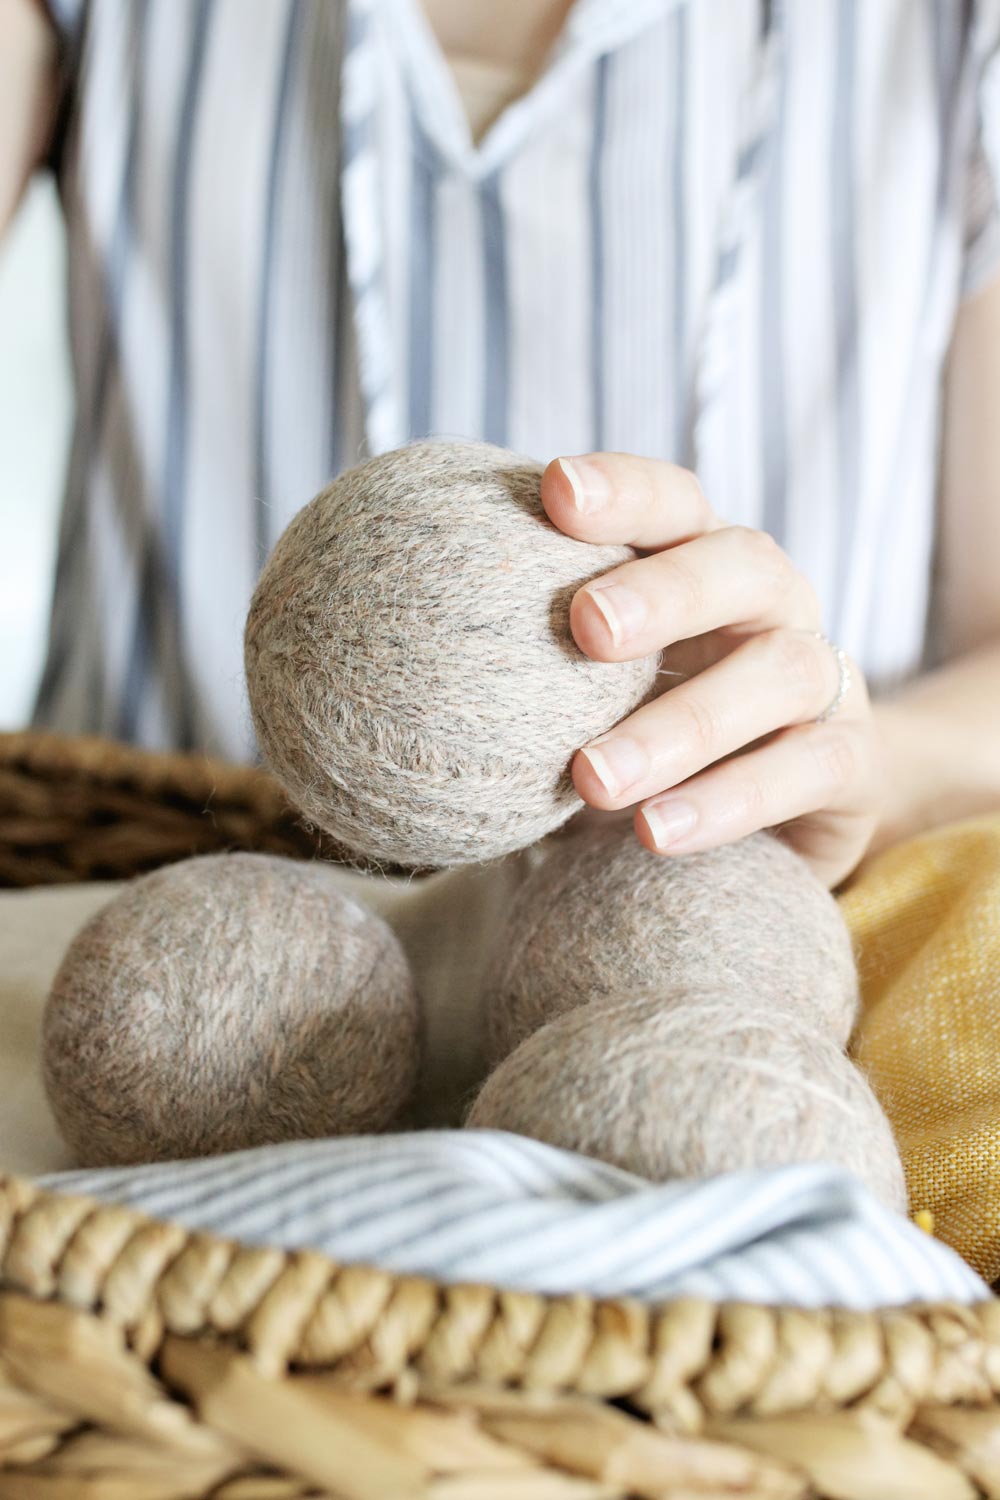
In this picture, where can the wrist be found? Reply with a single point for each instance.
(933, 771)
(907, 787)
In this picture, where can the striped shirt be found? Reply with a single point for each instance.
(730, 233)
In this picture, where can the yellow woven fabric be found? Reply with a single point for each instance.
(926, 921)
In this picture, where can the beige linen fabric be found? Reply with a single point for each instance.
(36, 927)
(445, 922)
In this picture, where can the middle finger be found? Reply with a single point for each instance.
(733, 576)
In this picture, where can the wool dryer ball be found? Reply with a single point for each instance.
(227, 1002)
(690, 1083)
(412, 676)
(601, 918)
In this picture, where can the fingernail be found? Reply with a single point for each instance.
(618, 762)
(589, 484)
(669, 821)
(625, 612)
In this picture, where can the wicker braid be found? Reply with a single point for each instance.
(688, 1361)
(90, 809)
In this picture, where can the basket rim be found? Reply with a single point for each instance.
(688, 1357)
(197, 777)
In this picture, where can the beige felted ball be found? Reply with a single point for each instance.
(602, 918)
(226, 1002)
(412, 676)
(688, 1085)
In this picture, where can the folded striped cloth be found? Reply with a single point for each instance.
(484, 1206)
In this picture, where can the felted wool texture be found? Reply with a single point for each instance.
(412, 676)
(684, 1085)
(602, 918)
(225, 1002)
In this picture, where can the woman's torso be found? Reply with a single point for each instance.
(728, 234)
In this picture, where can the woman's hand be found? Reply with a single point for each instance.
(734, 745)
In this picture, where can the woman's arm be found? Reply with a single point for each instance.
(942, 734)
(29, 95)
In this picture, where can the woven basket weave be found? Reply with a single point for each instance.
(141, 1361)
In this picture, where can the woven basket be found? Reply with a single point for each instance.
(141, 1361)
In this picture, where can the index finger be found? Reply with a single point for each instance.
(645, 503)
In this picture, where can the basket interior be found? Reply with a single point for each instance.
(137, 1359)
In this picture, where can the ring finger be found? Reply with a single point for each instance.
(775, 679)
(797, 773)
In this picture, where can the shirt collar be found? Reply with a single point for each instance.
(593, 28)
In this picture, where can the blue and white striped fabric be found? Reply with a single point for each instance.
(734, 235)
(483, 1206)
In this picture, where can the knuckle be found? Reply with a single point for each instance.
(695, 504)
(802, 666)
(767, 559)
(754, 800)
(801, 586)
(764, 548)
(859, 686)
(701, 726)
(637, 482)
(837, 758)
(645, 487)
(684, 586)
